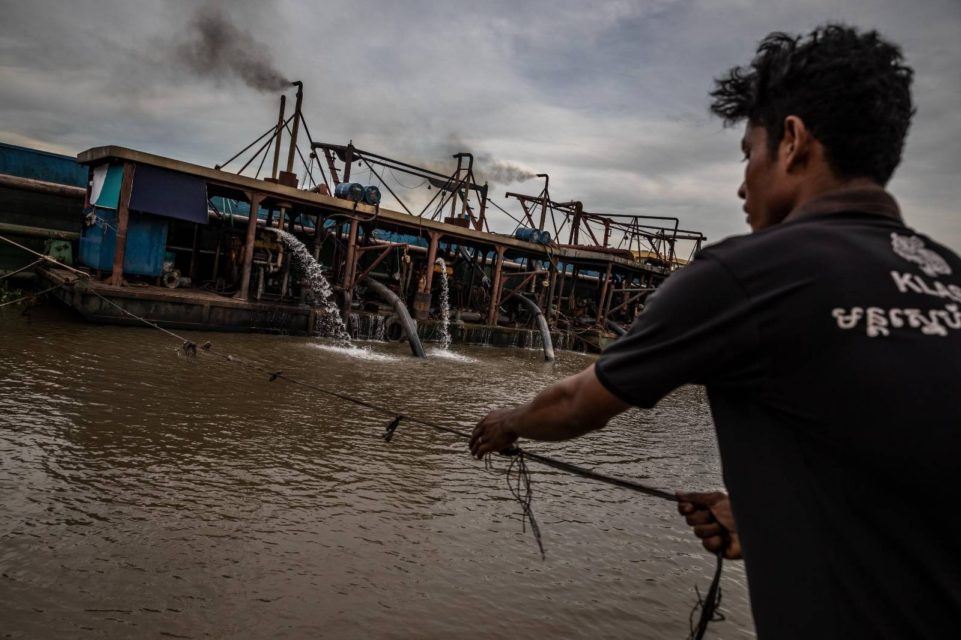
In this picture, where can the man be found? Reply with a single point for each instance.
(829, 341)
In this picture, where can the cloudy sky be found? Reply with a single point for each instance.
(609, 98)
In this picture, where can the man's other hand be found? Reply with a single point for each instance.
(493, 433)
(713, 522)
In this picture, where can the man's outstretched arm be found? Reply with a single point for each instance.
(567, 409)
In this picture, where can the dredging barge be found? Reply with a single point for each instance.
(188, 246)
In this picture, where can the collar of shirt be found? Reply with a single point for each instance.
(871, 200)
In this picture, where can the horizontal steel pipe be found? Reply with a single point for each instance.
(41, 186)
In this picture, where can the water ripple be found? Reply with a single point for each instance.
(195, 498)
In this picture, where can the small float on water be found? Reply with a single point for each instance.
(195, 247)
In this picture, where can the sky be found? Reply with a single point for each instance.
(609, 98)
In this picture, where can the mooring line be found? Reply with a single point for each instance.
(32, 295)
(523, 491)
(9, 274)
(708, 605)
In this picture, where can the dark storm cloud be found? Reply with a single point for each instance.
(609, 98)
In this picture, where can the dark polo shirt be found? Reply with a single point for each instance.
(830, 347)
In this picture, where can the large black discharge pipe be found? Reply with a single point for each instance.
(402, 314)
(541, 324)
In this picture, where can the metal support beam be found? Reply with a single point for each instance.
(89, 188)
(545, 198)
(496, 287)
(482, 216)
(123, 219)
(630, 300)
(571, 297)
(551, 288)
(255, 199)
(194, 253)
(383, 255)
(603, 300)
(576, 223)
(431, 258)
(561, 279)
(329, 156)
(351, 261)
(516, 290)
(348, 160)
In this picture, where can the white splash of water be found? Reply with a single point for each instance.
(331, 323)
(359, 353)
(444, 354)
(445, 338)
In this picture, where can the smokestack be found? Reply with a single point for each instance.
(278, 133)
(293, 134)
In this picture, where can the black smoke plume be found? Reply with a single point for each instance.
(217, 47)
(501, 172)
(486, 167)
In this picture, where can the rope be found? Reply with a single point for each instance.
(262, 161)
(299, 153)
(310, 139)
(398, 181)
(521, 486)
(524, 494)
(504, 211)
(709, 605)
(33, 295)
(22, 269)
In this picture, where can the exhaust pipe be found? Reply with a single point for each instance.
(293, 133)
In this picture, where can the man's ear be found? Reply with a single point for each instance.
(795, 147)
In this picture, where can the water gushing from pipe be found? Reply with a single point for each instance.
(445, 338)
(331, 323)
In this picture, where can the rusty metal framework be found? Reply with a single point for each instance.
(591, 275)
(629, 234)
(453, 192)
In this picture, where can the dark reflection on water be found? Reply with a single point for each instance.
(147, 494)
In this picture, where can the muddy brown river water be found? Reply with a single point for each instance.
(146, 494)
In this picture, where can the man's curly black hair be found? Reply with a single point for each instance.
(851, 89)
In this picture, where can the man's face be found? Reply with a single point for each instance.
(765, 183)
